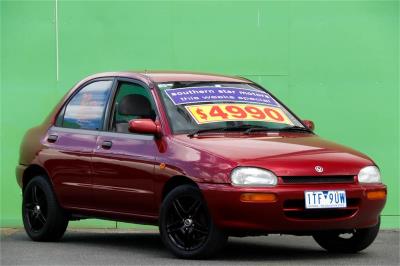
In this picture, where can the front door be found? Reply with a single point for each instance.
(124, 162)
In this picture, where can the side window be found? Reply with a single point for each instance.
(86, 109)
(132, 101)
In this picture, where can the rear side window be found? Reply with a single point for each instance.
(86, 109)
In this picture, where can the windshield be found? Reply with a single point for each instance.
(202, 106)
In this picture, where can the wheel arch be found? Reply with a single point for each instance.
(32, 171)
(174, 182)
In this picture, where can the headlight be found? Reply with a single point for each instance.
(369, 174)
(251, 176)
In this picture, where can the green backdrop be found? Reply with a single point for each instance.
(335, 62)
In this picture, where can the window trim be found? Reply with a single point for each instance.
(76, 91)
(113, 95)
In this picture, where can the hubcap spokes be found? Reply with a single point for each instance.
(187, 223)
(35, 208)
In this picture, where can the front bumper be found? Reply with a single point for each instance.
(288, 214)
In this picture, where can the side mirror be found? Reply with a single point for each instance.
(144, 126)
(309, 124)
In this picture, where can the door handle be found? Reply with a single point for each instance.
(52, 138)
(106, 144)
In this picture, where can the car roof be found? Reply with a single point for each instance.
(171, 76)
(174, 76)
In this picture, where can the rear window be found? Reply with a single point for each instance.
(86, 109)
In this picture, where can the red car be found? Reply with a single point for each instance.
(202, 156)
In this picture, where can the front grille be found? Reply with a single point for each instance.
(318, 179)
(295, 209)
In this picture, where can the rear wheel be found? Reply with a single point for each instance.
(44, 219)
(186, 227)
(351, 242)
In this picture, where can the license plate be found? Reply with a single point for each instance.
(324, 199)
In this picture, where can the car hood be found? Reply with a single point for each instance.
(286, 154)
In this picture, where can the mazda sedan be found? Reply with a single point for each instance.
(202, 156)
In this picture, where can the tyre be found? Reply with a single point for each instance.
(355, 241)
(44, 219)
(186, 227)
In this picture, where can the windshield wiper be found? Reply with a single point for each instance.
(257, 128)
(295, 128)
(199, 131)
(247, 128)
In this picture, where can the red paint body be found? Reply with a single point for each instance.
(126, 182)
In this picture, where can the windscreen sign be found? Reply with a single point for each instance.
(223, 94)
(221, 112)
(222, 104)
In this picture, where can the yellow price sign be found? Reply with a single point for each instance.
(210, 113)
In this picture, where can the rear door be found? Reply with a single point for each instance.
(72, 140)
(123, 162)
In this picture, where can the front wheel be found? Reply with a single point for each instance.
(186, 227)
(351, 242)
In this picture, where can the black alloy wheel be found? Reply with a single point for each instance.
(187, 223)
(186, 226)
(35, 207)
(350, 242)
(44, 219)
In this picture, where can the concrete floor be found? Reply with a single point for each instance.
(132, 247)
